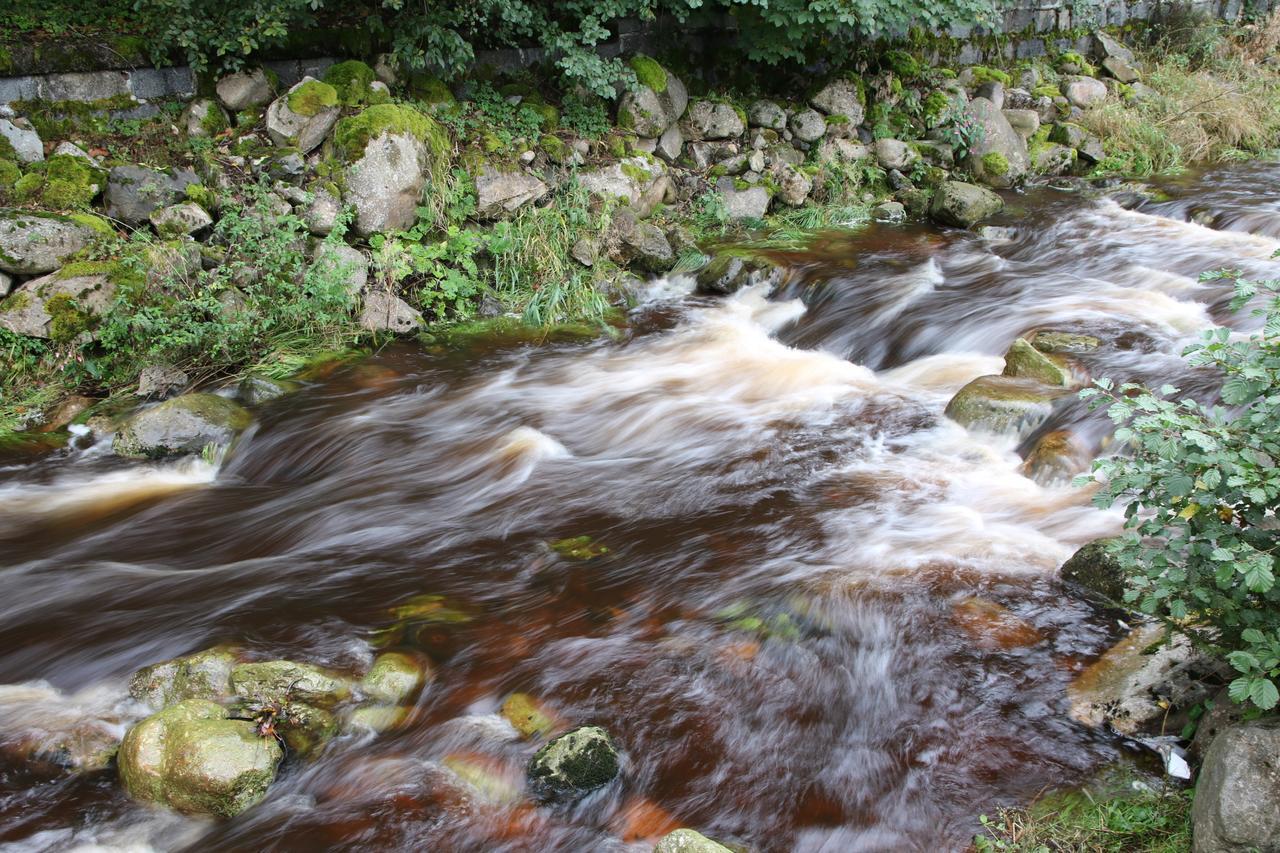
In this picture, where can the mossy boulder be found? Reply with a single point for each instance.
(303, 116)
(998, 157)
(191, 758)
(351, 81)
(1049, 341)
(204, 118)
(39, 243)
(728, 273)
(353, 134)
(394, 152)
(62, 182)
(285, 681)
(185, 424)
(396, 678)
(1057, 457)
(658, 101)
(133, 192)
(962, 204)
(1026, 361)
(57, 307)
(204, 675)
(1097, 569)
(575, 763)
(1002, 404)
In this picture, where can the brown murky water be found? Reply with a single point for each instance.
(786, 458)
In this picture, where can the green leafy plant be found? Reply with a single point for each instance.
(1200, 486)
(442, 274)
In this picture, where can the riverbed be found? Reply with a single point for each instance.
(773, 609)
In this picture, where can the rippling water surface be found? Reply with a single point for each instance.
(785, 457)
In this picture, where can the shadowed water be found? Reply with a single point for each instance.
(783, 456)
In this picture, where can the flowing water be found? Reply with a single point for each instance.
(781, 633)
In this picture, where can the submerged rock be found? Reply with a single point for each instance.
(1064, 342)
(574, 763)
(396, 678)
(485, 776)
(203, 675)
(529, 716)
(1057, 457)
(992, 625)
(191, 758)
(185, 424)
(688, 841)
(1095, 568)
(1237, 802)
(727, 274)
(1002, 404)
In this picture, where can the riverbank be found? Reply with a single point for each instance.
(255, 230)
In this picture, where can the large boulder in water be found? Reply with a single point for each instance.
(185, 424)
(192, 758)
(1095, 568)
(1002, 404)
(998, 157)
(960, 204)
(284, 681)
(39, 243)
(574, 763)
(1237, 803)
(1026, 361)
(203, 675)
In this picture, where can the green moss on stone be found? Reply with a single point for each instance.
(984, 74)
(649, 73)
(202, 195)
(312, 98)
(351, 79)
(995, 164)
(66, 319)
(354, 132)
(9, 173)
(430, 89)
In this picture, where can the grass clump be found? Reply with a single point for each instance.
(1141, 821)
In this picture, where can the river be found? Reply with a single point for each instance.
(776, 633)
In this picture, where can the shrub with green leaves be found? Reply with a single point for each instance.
(1200, 486)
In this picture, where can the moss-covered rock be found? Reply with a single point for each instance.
(1097, 569)
(351, 80)
(191, 758)
(574, 763)
(1026, 361)
(185, 424)
(285, 681)
(688, 841)
(657, 102)
(395, 678)
(1002, 404)
(303, 116)
(1049, 341)
(649, 73)
(204, 675)
(312, 97)
(961, 204)
(353, 133)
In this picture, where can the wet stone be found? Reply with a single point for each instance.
(574, 763)
(284, 681)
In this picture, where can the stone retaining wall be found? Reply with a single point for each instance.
(1028, 30)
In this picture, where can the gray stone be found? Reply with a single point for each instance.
(1024, 122)
(1084, 92)
(649, 113)
(961, 204)
(1096, 569)
(1123, 71)
(688, 841)
(842, 150)
(998, 138)
(840, 97)
(70, 149)
(993, 91)
(627, 180)
(585, 251)
(386, 67)
(161, 380)
(26, 143)
(6, 284)
(185, 218)
(670, 144)
(727, 273)
(574, 763)
(1018, 99)
(1237, 803)
(386, 313)
(244, 89)
(84, 86)
(1105, 46)
(396, 678)
(25, 311)
(640, 244)
(894, 154)
(808, 125)
(889, 211)
(751, 203)
(501, 193)
(133, 192)
(204, 117)
(289, 129)
(181, 425)
(342, 261)
(712, 120)
(321, 213)
(191, 758)
(794, 185)
(33, 244)
(155, 83)
(385, 185)
(767, 114)
(1054, 159)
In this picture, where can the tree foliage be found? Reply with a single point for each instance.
(444, 36)
(1200, 487)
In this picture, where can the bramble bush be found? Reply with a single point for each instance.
(1200, 487)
